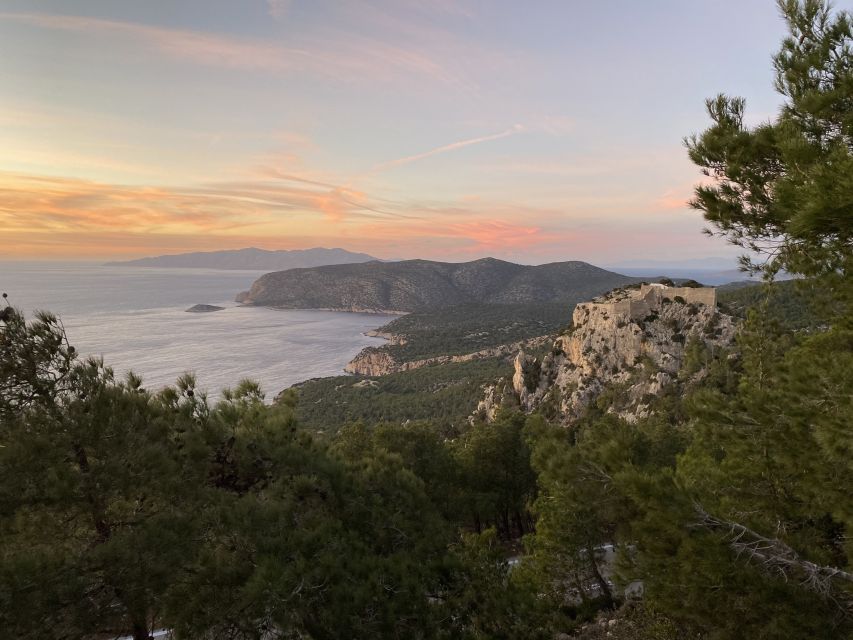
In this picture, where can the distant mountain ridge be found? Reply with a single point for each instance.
(250, 259)
(413, 285)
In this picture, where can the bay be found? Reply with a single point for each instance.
(136, 319)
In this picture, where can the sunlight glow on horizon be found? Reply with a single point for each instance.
(442, 130)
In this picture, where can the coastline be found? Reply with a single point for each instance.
(376, 312)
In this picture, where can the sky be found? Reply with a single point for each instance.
(445, 129)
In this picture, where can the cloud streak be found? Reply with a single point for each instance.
(40, 212)
(453, 146)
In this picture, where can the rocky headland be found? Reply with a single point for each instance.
(633, 341)
(416, 285)
(376, 361)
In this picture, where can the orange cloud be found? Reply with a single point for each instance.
(33, 207)
(671, 199)
(47, 217)
(678, 197)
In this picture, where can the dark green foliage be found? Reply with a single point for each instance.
(498, 480)
(445, 394)
(325, 548)
(718, 502)
(473, 327)
(757, 460)
(97, 479)
(122, 511)
(784, 189)
(795, 304)
(691, 283)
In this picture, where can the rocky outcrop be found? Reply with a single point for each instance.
(633, 341)
(392, 338)
(377, 361)
(373, 361)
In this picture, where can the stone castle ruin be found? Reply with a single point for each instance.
(632, 339)
(639, 304)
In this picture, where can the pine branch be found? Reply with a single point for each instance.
(774, 555)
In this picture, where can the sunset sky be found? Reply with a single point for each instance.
(530, 131)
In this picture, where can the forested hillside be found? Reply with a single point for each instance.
(446, 395)
(412, 285)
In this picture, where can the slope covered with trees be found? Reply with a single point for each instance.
(412, 285)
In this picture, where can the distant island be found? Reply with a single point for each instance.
(250, 259)
(415, 285)
(204, 308)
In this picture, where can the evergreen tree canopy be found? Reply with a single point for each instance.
(784, 189)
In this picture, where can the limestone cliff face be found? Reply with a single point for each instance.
(392, 338)
(631, 340)
(373, 361)
(376, 361)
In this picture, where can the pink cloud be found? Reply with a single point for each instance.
(672, 199)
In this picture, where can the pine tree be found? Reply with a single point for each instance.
(784, 189)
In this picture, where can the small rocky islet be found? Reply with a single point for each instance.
(204, 308)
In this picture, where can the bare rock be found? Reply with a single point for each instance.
(634, 338)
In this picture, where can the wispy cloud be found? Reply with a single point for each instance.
(340, 55)
(60, 217)
(453, 146)
(65, 205)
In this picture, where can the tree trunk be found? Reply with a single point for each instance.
(506, 526)
(140, 631)
(519, 522)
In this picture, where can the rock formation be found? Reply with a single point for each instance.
(632, 340)
(376, 361)
(204, 308)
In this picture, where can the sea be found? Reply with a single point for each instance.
(135, 319)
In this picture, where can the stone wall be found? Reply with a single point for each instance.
(640, 303)
(691, 295)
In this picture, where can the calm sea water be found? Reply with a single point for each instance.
(135, 318)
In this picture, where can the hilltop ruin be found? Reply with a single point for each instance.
(631, 340)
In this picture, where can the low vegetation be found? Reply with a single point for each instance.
(468, 328)
(446, 394)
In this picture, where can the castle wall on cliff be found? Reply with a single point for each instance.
(634, 338)
(638, 305)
